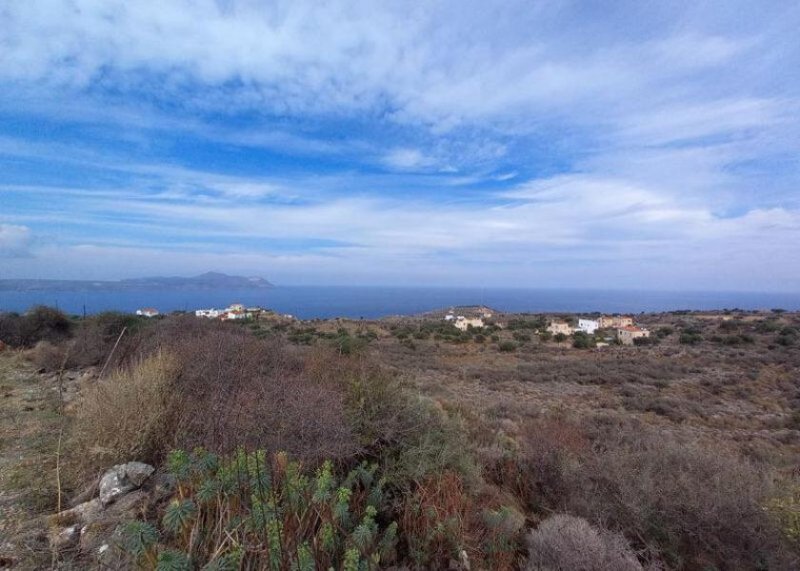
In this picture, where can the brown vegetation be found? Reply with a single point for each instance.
(675, 456)
(565, 543)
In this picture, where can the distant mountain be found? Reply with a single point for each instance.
(207, 281)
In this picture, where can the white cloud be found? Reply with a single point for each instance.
(656, 115)
(293, 57)
(15, 241)
(568, 221)
(408, 159)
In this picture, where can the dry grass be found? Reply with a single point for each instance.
(124, 417)
(29, 422)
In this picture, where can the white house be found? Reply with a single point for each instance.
(147, 312)
(588, 326)
(208, 313)
(464, 323)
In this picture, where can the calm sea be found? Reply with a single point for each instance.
(309, 302)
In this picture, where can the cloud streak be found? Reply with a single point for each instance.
(463, 142)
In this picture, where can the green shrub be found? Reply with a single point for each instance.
(346, 344)
(690, 338)
(768, 326)
(409, 436)
(268, 511)
(501, 536)
(581, 340)
(507, 347)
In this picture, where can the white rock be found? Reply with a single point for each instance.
(122, 479)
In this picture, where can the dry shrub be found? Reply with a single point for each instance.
(542, 474)
(235, 390)
(124, 417)
(697, 505)
(434, 521)
(568, 543)
(226, 389)
(40, 323)
(684, 501)
(47, 356)
(232, 389)
(95, 337)
(443, 520)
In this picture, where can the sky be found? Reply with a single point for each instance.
(620, 145)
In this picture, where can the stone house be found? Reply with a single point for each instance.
(628, 333)
(615, 321)
(464, 323)
(556, 327)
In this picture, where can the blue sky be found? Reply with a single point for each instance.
(541, 144)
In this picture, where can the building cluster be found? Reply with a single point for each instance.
(235, 311)
(469, 316)
(147, 312)
(625, 331)
(232, 312)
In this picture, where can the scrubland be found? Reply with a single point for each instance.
(404, 443)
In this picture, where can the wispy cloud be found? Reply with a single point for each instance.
(355, 141)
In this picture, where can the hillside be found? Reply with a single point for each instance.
(401, 443)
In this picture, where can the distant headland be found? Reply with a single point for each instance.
(206, 281)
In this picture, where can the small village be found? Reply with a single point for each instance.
(602, 330)
(622, 329)
(234, 312)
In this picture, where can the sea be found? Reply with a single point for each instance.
(369, 302)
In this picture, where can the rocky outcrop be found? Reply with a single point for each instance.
(85, 529)
(123, 478)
